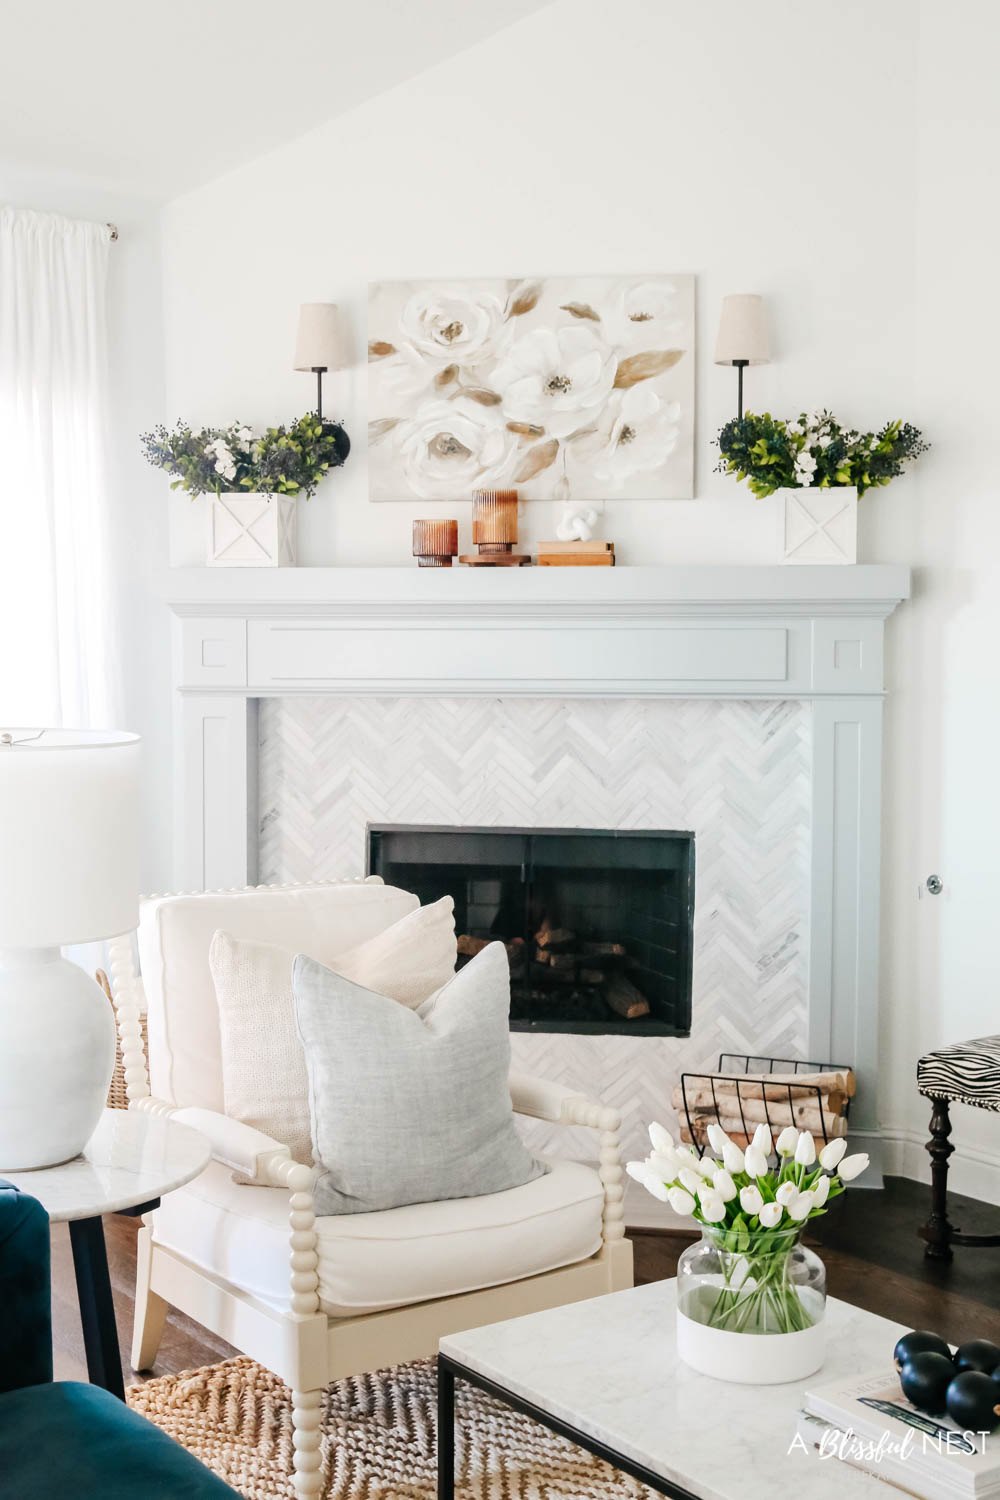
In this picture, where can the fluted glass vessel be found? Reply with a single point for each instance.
(755, 1284)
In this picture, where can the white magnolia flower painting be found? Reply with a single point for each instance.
(569, 388)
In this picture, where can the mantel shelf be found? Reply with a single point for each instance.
(869, 589)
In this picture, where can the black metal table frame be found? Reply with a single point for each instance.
(97, 1308)
(449, 1370)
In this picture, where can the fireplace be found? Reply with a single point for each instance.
(597, 924)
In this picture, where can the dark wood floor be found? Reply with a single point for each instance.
(868, 1242)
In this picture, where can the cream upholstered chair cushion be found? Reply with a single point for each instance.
(390, 1258)
(263, 1066)
(175, 934)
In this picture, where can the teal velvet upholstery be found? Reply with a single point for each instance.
(26, 1321)
(62, 1439)
(75, 1440)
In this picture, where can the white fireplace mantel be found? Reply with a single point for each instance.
(809, 633)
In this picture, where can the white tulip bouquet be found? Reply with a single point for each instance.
(752, 1214)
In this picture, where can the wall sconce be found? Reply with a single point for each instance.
(321, 344)
(742, 338)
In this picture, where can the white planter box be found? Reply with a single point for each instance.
(251, 530)
(818, 526)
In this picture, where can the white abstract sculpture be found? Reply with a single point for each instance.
(576, 525)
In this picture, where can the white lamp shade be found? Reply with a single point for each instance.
(742, 330)
(321, 344)
(69, 836)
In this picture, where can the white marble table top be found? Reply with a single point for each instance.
(609, 1368)
(131, 1158)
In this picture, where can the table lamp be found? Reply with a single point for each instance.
(69, 873)
(742, 338)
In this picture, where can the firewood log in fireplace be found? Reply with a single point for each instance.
(555, 939)
(624, 999)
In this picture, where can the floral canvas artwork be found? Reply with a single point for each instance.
(565, 388)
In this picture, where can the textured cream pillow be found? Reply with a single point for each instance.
(263, 1067)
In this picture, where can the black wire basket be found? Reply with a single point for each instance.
(781, 1102)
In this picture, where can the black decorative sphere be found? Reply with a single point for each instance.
(973, 1401)
(918, 1343)
(925, 1380)
(977, 1354)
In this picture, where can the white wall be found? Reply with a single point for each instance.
(140, 522)
(667, 136)
(836, 155)
(941, 960)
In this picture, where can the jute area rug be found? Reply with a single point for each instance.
(378, 1438)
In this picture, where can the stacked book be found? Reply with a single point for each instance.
(739, 1102)
(868, 1423)
(576, 554)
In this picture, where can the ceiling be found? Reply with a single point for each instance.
(154, 100)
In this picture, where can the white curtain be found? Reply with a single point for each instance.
(58, 654)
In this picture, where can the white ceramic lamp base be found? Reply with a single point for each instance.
(57, 1054)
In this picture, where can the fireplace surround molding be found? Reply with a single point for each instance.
(809, 634)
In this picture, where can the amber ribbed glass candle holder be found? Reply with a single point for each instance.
(494, 520)
(435, 543)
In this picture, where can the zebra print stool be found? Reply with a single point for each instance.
(968, 1073)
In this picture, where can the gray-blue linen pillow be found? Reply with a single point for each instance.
(409, 1108)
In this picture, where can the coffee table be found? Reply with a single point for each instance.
(605, 1374)
(129, 1162)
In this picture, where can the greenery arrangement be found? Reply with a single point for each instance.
(814, 452)
(281, 460)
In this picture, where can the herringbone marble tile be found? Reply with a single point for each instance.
(736, 773)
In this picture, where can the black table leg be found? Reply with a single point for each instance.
(938, 1231)
(446, 1432)
(97, 1309)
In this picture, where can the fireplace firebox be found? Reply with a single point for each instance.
(597, 924)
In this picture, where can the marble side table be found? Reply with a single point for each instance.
(129, 1162)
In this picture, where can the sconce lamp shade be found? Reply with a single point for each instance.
(321, 344)
(742, 331)
(69, 836)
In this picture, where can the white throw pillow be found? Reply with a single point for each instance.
(263, 1067)
(407, 1107)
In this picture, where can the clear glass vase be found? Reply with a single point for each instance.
(731, 1284)
(779, 1288)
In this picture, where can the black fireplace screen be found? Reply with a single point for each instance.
(597, 925)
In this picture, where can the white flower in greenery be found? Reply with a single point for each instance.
(639, 432)
(717, 1137)
(708, 1194)
(801, 1207)
(243, 438)
(225, 463)
(454, 325)
(787, 1141)
(449, 448)
(832, 1153)
(706, 1166)
(714, 1211)
(724, 1185)
(557, 379)
(732, 1157)
(689, 1179)
(762, 1139)
(770, 1215)
(805, 1151)
(787, 1194)
(660, 1138)
(820, 1191)
(751, 1200)
(755, 1162)
(680, 1201)
(853, 1166)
